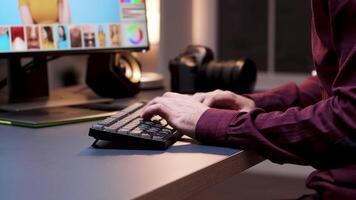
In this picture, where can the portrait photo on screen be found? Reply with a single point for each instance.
(62, 37)
(65, 25)
(75, 36)
(89, 36)
(115, 35)
(18, 42)
(44, 12)
(47, 39)
(33, 37)
(103, 36)
(4, 39)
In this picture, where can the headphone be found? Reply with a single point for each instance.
(114, 75)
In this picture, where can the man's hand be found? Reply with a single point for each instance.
(225, 99)
(181, 111)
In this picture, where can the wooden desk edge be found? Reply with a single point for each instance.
(205, 178)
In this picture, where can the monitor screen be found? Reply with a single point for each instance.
(30, 26)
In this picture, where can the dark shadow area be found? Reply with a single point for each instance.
(254, 186)
(243, 33)
(293, 45)
(191, 146)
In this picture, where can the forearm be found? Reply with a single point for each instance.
(289, 95)
(301, 136)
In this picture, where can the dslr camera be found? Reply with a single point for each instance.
(195, 70)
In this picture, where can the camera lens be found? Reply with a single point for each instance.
(195, 70)
(234, 75)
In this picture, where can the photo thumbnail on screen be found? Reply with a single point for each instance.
(62, 25)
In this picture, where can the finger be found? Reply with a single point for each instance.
(157, 109)
(209, 101)
(154, 101)
(170, 94)
(217, 91)
(199, 96)
(174, 95)
(150, 103)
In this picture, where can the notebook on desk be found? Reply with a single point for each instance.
(52, 116)
(45, 117)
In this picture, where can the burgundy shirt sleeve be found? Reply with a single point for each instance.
(321, 134)
(300, 136)
(289, 95)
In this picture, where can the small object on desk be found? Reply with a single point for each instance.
(46, 117)
(128, 130)
(54, 116)
(151, 80)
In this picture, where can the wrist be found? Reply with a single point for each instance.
(251, 103)
(212, 126)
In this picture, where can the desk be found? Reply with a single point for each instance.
(58, 163)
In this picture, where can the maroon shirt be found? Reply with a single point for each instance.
(310, 124)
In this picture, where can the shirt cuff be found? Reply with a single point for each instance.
(212, 125)
(259, 99)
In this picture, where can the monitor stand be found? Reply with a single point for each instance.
(70, 96)
(28, 88)
(29, 82)
(29, 102)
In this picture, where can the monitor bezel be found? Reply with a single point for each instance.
(81, 51)
(73, 52)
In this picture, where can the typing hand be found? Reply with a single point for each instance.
(225, 99)
(181, 111)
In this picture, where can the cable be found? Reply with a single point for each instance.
(27, 67)
(3, 83)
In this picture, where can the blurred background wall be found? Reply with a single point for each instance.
(274, 33)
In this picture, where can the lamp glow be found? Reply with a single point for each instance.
(154, 20)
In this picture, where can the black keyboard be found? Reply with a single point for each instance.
(129, 130)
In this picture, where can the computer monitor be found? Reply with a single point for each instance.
(43, 29)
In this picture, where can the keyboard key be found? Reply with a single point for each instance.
(133, 108)
(145, 135)
(165, 131)
(111, 129)
(169, 127)
(119, 115)
(156, 118)
(155, 132)
(136, 131)
(97, 126)
(160, 134)
(157, 125)
(126, 120)
(148, 123)
(133, 124)
(163, 122)
(123, 131)
(107, 121)
(157, 137)
(143, 126)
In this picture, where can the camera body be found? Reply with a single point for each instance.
(195, 70)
